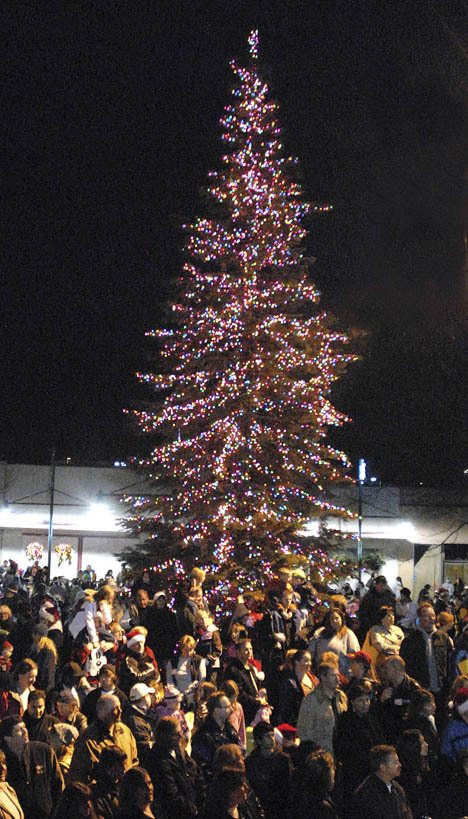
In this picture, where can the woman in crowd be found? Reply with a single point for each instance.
(75, 803)
(226, 798)
(187, 669)
(67, 710)
(236, 717)
(412, 751)
(25, 676)
(136, 795)
(10, 807)
(62, 738)
(334, 636)
(421, 715)
(297, 681)
(356, 734)
(312, 797)
(385, 638)
(44, 652)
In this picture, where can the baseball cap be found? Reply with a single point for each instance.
(138, 691)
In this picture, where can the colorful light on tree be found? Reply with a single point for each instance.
(245, 367)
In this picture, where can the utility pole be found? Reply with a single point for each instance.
(51, 514)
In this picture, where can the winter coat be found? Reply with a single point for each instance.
(178, 784)
(36, 778)
(317, 719)
(413, 651)
(373, 800)
(90, 744)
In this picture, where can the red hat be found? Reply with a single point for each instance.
(288, 731)
(135, 636)
(361, 657)
(460, 701)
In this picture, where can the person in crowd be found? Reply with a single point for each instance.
(62, 738)
(49, 615)
(186, 669)
(93, 608)
(334, 636)
(33, 769)
(178, 783)
(73, 679)
(25, 676)
(106, 784)
(67, 710)
(297, 682)
(139, 609)
(202, 695)
(385, 638)
(162, 631)
(7, 620)
(380, 796)
(135, 716)
(136, 795)
(421, 715)
(247, 678)
(236, 717)
(139, 664)
(450, 800)
(171, 706)
(106, 730)
(360, 670)
(231, 756)
(356, 733)
(455, 738)
(208, 642)
(44, 653)
(320, 710)
(427, 653)
(269, 771)
(396, 696)
(226, 798)
(313, 794)
(214, 731)
(10, 807)
(412, 750)
(378, 595)
(106, 684)
(75, 803)
(35, 718)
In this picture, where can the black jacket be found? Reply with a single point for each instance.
(207, 739)
(354, 737)
(290, 696)
(178, 784)
(248, 690)
(270, 779)
(38, 729)
(36, 778)
(141, 729)
(373, 800)
(413, 651)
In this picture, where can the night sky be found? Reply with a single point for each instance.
(110, 117)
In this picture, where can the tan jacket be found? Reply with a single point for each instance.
(316, 718)
(90, 744)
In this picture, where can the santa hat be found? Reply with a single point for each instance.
(135, 637)
(460, 701)
(49, 613)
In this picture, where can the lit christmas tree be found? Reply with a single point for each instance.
(244, 371)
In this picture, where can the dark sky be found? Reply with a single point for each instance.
(109, 126)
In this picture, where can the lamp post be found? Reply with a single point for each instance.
(51, 515)
(361, 480)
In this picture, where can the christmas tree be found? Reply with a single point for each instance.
(244, 370)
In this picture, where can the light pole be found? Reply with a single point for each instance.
(51, 515)
(361, 480)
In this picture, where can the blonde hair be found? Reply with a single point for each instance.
(187, 641)
(47, 643)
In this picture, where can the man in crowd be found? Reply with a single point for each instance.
(214, 731)
(427, 652)
(35, 718)
(320, 709)
(396, 697)
(107, 684)
(135, 717)
(379, 796)
(269, 771)
(105, 731)
(245, 675)
(33, 769)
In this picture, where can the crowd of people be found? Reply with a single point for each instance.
(123, 701)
